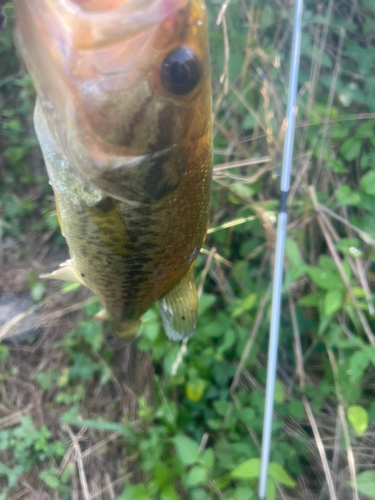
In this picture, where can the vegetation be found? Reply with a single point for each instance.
(199, 435)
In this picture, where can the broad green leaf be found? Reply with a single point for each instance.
(194, 390)
(136, 492)
(67, 472)
(358, 364)
(248, 469)
(336, 166)
(370, 353)
(339, 131)
(332, 302)
(358, 418)
(248, 122)
(187, 449)
(351, 148)
(243, 493)
(71, 417)
(280, 475)
(271, 490)
(37, 291)
(267, 17)
(248, 303)
(368, 182)
(221, 406)
(295, 409)
(345, 196)
(279, 392)
(324, 279)
(50, 480)
(205, 302)
(208, 458)
(366, 483)
(197, 475)
(310, 300)
(169, 493)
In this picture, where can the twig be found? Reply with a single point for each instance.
(81, 470)
(222, 12)
(242, 163)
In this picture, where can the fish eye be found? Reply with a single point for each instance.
(180, 71)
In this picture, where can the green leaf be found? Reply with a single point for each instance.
(358, 418)
(169, 493)
(324, 279)
(50, 480)
(295, 409)
(248, 469)
(310, 300)
(358, 364)
(368, 182)
(280, 475)
(209, 458)
(267, 17)
(205, 302)
(71, 417)
(187, 449)
(336, 166)
(279, 392)
(248, 122)
(332, 302)
(194, 390)
(351, 148)
(197, 475)
(345, 196)
(243, 493)
(37, 291)
(366, 483)
(271, 490)
(136, 492)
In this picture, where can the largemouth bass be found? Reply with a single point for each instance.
(123, 116)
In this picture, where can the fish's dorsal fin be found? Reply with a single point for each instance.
(66, 272)
(178, 308)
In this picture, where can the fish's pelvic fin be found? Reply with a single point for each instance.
(126, 330)
(66, 272)
(178, 308)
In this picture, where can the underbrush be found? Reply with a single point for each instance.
(197, 433)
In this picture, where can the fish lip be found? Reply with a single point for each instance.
(132, 7)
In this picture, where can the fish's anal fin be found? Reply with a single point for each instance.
(179, 308)
(66, 272)
(102, 315)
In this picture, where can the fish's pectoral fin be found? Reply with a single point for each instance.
(178, 308)
(66, 272)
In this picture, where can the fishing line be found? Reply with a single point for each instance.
(279, 253)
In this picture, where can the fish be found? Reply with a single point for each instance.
(123, 118)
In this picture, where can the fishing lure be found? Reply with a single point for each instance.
(123, 116)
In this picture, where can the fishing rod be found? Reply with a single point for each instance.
(279, 253)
